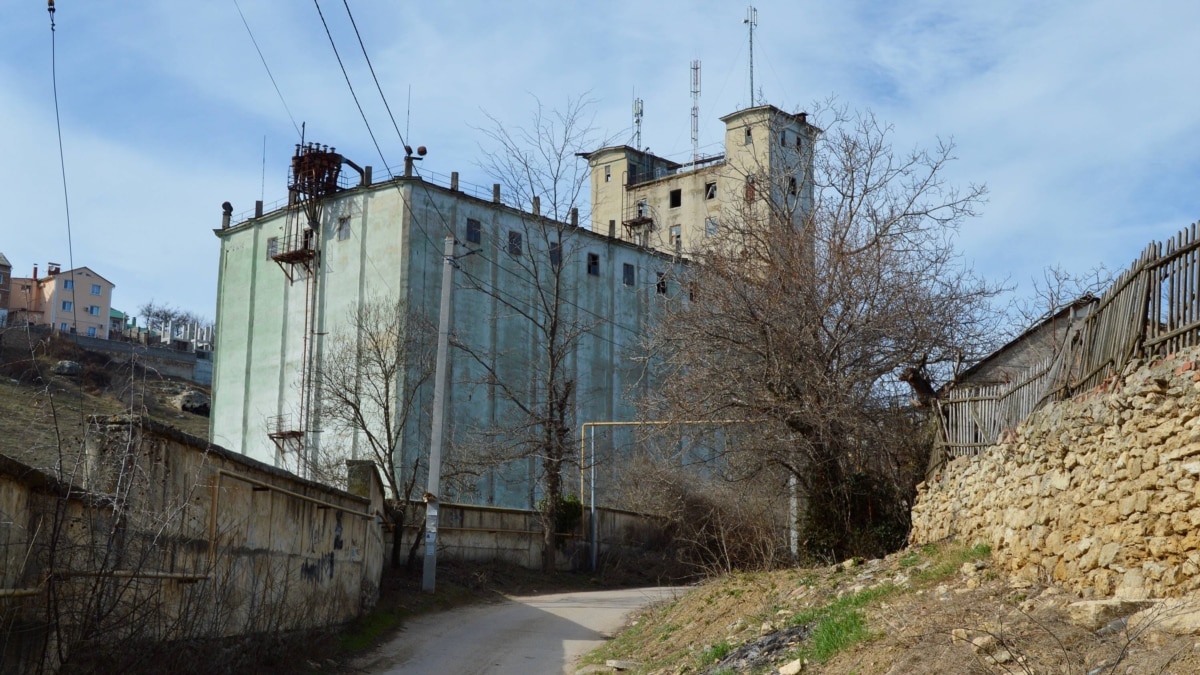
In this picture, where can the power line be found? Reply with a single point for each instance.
(372, 69)
(347, 76)
(268, 68)
(62, 162)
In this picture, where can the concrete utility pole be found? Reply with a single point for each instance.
(428, 578)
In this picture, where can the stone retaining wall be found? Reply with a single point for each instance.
(1099, 494)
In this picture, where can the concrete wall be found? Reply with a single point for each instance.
(192, 366)
(169, 538)
(393, 249)
(485, 534)
(1100, 493)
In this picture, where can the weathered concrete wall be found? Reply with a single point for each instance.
(155, 535)
(1099, 493)
(485, 534)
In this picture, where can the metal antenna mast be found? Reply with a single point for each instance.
(751, 20)
(695, 111)
(637, 123)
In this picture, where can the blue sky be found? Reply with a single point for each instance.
(1083, 118)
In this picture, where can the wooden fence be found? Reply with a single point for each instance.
(1151, 308)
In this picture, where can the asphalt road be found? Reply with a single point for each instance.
(521, 636)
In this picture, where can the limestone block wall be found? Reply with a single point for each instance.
(1100, 493)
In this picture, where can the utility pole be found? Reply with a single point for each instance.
(428, 578)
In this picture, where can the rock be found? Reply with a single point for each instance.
(958, 635)
(68, 368)
(849, 564)
(193, 401)
(791, 668)
(622, 664)
(984, 644)
(1095, 614)
(1178, 617)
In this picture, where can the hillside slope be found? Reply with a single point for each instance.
(935, 609)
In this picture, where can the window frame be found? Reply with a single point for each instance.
(555, 254)
(660, 286)
(68, 306)
(97, 289)
(593, 264)
(68, 284)
(272, 247)
(629, 275)
(712, 226)
(474, 231)
(93, 307)
(675, 198)
(343, 228)
(516, 244)
(710, 190)
(92, 332)
(675, 234)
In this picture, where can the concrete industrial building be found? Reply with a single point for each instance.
(286, 290)
(658, 203)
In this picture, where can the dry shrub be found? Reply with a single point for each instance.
(716, 526)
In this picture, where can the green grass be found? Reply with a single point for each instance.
(365, 631)
(950, 560)
(716, 652)
(839, 624)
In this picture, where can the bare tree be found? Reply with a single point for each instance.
(806, 311)
(538, 165)
(368, 383)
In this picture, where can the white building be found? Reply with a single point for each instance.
(284, 291)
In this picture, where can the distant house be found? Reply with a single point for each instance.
(75, 301)
(5, 288)
(116, 323)
(1017, 360)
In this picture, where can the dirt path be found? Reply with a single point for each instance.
(522, 635)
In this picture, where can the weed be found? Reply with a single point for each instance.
(716, 652)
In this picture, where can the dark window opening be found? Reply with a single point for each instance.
(661, 286)
(607, 173)
(710, 190)
(593, 264)
(642, 209)
(629, 275)
(750, 192)
(676, 198)
(749, 136)
(514, 243)
(474, 231)
(783, 138)
(555, 254)
(793, 189)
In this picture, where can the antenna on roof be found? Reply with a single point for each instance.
(637, 123)
(752, 21)
(695, 111)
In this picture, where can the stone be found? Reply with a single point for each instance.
(68, 368)
(1178, 617)
(1095, 614)
(958, 635)
(791, 668)
(193, 401)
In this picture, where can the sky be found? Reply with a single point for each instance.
(1082, 118)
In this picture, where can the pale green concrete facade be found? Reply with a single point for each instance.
(385, 240)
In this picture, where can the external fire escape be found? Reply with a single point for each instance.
(315, 174)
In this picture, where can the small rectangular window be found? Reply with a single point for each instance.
(555, 254)
(69, 284)
(792, 187)
(67, 305)
(711, 226)
(661, 286)
(474, 231)
(62, 327)
(94, 310)
(343, 231)
(629, 275)
(676, 198)
(95, 289)
(750, 191)
(643, 210)
(607, 173)
(593, 264)
(272, 247)
(749, 136)
(91, 331)
(676, 236)
(514, 242)
(710, 190)
(783, 138)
